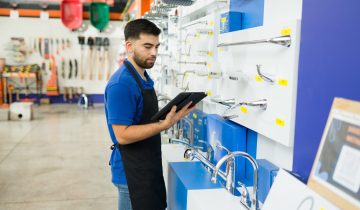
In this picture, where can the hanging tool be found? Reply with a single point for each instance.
(68, 43)
(57, 47)
(82, 43)
(63, 67)
(76, 68)
(98, 43)
(43, 68)
(52, 46)
(106, 44)
(47, 50)
(34, 45)
(70, 69)
(40, 46)
(63, 44)
(90, 42)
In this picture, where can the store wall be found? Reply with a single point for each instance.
(328, 68)
(31, 28)
(278, 61)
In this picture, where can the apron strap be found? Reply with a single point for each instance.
(133, 73)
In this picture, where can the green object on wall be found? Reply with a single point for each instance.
(99, 15)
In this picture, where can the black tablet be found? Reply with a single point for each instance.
(179, 101)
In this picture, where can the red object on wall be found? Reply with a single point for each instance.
(71, 13)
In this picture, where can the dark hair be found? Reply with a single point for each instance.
(134, 28)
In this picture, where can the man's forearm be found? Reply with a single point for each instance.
(135, 133)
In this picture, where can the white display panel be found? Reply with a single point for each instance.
(278, 63)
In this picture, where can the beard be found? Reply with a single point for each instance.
(143, 63)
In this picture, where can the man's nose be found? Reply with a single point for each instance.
(154, 51)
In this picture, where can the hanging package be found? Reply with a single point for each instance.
(71, 13)
(99, 15)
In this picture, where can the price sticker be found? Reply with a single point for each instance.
(283, 82)
(243, 109)
(285, 32)
(258, 78)
(280, 122)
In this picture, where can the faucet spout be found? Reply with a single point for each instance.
(254, 203)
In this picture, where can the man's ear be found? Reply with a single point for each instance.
(129, 46)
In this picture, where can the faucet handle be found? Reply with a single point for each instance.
(245, 196)
(188, 154)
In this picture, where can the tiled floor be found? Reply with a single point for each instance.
(57, 161)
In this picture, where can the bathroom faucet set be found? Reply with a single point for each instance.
(228, 176)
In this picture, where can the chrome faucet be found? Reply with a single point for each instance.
(230, 169)
(227, 102)
(180, 141)
(216, 171)
(262, 104)
(191, 125)
(191, 154)
(209, 150)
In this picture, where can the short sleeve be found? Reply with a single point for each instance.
(121, 104)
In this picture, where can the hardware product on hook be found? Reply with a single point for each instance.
(192, 62)
(281, 40)
(265, 78)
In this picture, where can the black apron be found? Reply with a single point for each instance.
(142, 160)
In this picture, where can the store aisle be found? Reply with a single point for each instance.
(57, 161)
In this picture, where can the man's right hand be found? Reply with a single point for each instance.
(172, 117)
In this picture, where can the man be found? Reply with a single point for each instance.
(130, 102)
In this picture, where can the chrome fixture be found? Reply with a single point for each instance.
(265, 78)
(179, 2)
(227, 176)
(208, 148)
(204, 22)
(281, 40)
(262, 104)
(227, 102)
(192, 62)
(230, 168)
(191, 125)
(231, 156)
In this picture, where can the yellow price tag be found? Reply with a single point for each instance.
(280, 122)
(194, 115)
(221, 50)
(211, 23)
(209, 77)
(283, 82)
(209, 93)
(208, 64)
(223, 20)
(243, 109)
(210, 53)
(285, 32)
(258, 78)
(211, 33)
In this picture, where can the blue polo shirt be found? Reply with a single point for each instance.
(123, 106)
